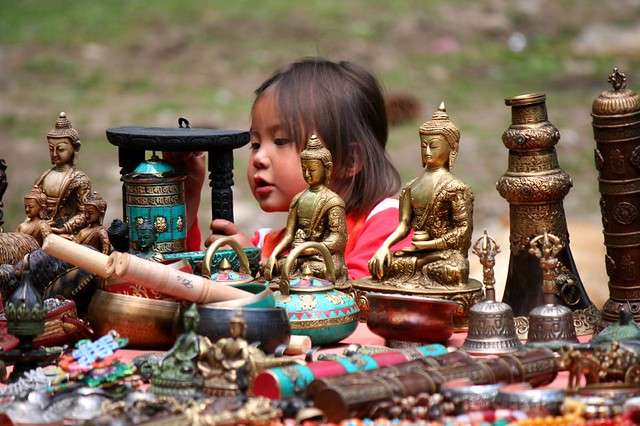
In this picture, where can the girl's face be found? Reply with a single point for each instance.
(274, 172)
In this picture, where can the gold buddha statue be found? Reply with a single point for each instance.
(438, 207)
(94, 233)
(35, 204)
(316, 214)
(65, 187)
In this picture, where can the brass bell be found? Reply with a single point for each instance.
(550, 323)
(492, 328)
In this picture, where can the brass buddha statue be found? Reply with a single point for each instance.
(35, 208)
(230, 364)
(438, 208)
(94, 234)
(316, 214)
(65, 187)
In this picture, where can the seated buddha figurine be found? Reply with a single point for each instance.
(146, 247)
(231, 363)
(65, 187)
(177, 373)
(35, 204)
(316, 214)
(438, 207)
(94, 234)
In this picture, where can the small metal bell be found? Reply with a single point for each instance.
(550, 323)
(492, 329)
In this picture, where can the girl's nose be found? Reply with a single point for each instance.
(261, 159)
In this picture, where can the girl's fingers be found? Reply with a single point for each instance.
(223, 227)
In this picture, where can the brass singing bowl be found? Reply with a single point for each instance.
(147, 323)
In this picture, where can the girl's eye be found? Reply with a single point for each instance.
(254, 146)
(282, 141)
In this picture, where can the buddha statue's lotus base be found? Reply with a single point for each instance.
(465, 295)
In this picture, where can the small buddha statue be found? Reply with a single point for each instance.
(231, 363)
(65, 187)
(147, 240)
(35, 207)
(316, 214)
(227, 366)
(438, 207)
(94, 234)
(177, 373)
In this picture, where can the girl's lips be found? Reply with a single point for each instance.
(264, 190)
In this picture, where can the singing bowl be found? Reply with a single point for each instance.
(147, 323)
(262, 297)
(398, 317)
(268, 326)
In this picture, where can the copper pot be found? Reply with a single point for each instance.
(398, 317)
(145, 322)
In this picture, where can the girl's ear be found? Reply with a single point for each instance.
(355, 164)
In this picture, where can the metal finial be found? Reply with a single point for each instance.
(546, 247)
(486, 249)
(442, 107)
(617, 79)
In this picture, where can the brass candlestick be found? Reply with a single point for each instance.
(550, 323)
(492, 328)
(616, 128)
(535, 186)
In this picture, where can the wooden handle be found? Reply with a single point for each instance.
(172, 282)
(76, 254)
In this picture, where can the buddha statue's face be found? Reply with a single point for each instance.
(190, 322)
(61, 151)
(237, 329)
(91, 214)
(31, 208)
(435, 151)
(314, 172)
(146, 238)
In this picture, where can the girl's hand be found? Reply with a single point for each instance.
(223, 228)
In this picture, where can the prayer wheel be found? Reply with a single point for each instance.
(154, 191)
(616, 128)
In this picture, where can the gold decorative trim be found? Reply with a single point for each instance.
(321, 323)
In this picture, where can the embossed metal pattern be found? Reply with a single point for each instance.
(616, 128)
(535, 186)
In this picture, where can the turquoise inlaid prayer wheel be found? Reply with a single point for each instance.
(156, 192)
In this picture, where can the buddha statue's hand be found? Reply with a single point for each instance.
(267, 269)
(57, 230)
(380, 259)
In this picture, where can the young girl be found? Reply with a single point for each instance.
(343, 104)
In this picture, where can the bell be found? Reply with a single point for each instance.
(492, 328)
(550, 323)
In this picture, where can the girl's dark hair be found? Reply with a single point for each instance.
(343, 104)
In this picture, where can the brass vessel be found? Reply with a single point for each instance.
(145, 322)
(616, 128)
(549, 323)
(535, 186)
(492, 329)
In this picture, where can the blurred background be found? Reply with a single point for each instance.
(118, 62)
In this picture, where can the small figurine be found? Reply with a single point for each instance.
(438, 207)
(231, 363)
(66, 187)
(316, 214)
(147, 240)
(178, 374)
(94, 234)
(35, 203)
